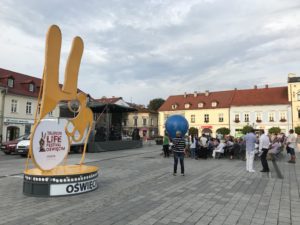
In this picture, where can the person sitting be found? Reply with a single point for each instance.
(219, 148)
(228, 148)
(275, 147)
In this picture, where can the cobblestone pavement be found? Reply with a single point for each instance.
(137, 187)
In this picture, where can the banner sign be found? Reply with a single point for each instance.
(50, 143)
(73, 188)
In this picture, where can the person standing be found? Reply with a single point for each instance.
(291, 145)
(264, 144)
(166, 142)
(203, 146)
(179, 150)
(250, 140)
(193, 146)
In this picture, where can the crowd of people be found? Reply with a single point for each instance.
(249, 147)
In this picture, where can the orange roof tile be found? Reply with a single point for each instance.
(21, 83)
(261, 96)
(223, 99)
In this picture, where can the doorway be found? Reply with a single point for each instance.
(12, 133)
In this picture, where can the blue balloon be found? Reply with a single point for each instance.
(176, 123)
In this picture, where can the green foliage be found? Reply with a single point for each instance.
(155, 104)
(274, 130)
(223, 130)
(297, 130)
(246, 129)
(193, 131)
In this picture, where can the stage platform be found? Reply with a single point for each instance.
(103, 146)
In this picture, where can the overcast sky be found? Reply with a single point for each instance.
(140, 50)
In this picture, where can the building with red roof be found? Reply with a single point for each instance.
(18, 103)
(261, 108)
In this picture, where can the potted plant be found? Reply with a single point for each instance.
(282, 120)
(258, 120)
(236, 120)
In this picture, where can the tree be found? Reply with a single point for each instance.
(246, 129)
(274, 130)
(155, 104)
(297, 130)
(193, 131)
(223, 130)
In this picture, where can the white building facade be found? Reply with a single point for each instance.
(260, 118)
(18, 104)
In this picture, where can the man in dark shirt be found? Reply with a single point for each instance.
(179, 151)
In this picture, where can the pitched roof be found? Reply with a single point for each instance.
(21, 82)
(223, 99)
(141, 108)
(261, 96)
(108, 100)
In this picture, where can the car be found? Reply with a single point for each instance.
(22, 147)
(76, 147)
(9, 147)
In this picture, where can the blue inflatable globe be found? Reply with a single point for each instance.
(176, 123)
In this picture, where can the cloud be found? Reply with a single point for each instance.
(142, 50)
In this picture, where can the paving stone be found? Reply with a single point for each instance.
(138, 188)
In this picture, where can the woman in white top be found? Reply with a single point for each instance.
(193, 146)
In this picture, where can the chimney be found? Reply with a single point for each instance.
(235, 89)
(195, 94)
(266, 86)
(184, 95)
(255, 86)
(206, 92)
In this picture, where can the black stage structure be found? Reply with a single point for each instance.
(106, 132)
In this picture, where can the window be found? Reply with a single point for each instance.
(135, 121)
(31, 87)
(206, 118)
(50, 113)
(174, 106)
(271, 117)
(237, 118)
(10, 82)
(214, 104)
(200, 105)
(151, 122)
(258, 117)
(144, 122)
(187, 105)
(282, 116)
(298, 96)
(27, 128)
(221, 117)
(246, 117)
(192, 118)
(28, 107)
(39, 109)
(14, 104)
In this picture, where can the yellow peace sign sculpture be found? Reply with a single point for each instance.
(51, 138)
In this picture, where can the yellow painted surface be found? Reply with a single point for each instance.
(293, 90)
(63, 170)
(199, 118)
